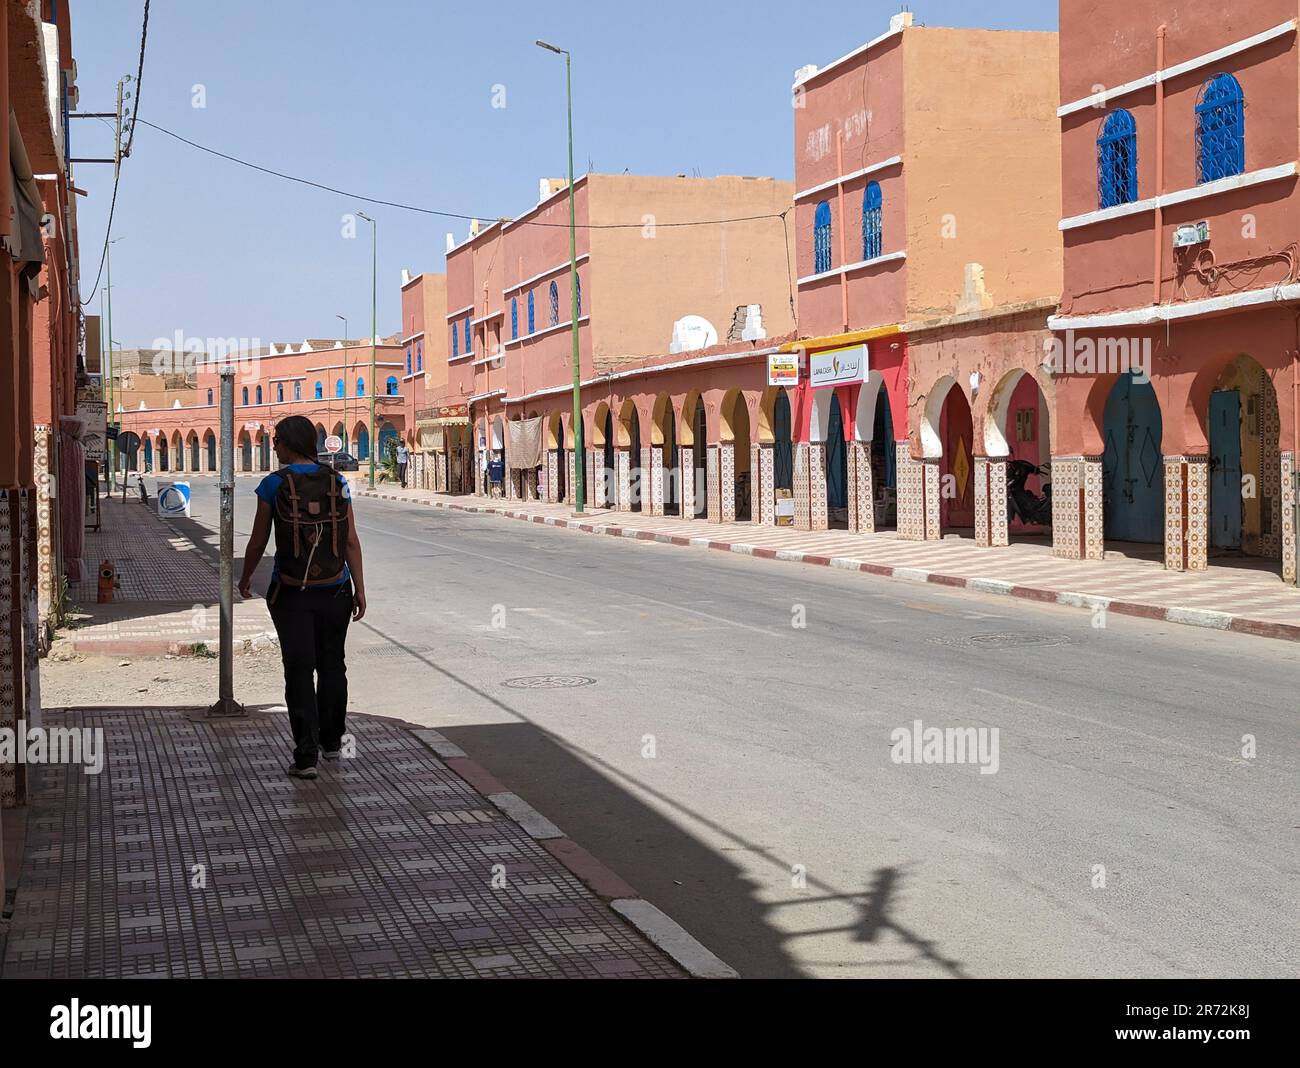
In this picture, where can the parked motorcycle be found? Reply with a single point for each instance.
(1034, 509)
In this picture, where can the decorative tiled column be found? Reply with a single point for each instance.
(34, 644)
(623, 467)
(727, 481)
(552, 476)
(656, 480)
(1187, 508)
(713, 510)
(589, 486)
(46, 554)
(12, 610)
(571, 486)
(861, 494)
(991, 523)
(763, 485)
(810, 486)
(1287, 498)
(530, 484)
(1078, 518)
(687, 463)
(641, 486)
(911, 494)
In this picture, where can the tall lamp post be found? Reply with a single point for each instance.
(579, 444)
(374, 335)
(111, 444)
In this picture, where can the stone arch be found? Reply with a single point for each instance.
(210, 451)
(192, 457)
(629, 423)
(661, 419)
(686, 418)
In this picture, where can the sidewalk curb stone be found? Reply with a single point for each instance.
(1196, 617)
(656, 926)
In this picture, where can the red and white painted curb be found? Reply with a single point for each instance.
(1194, 617)
(656, 926)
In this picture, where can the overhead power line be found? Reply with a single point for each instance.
(439, 212)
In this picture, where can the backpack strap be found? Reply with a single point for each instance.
(334, 518)
(293, 497)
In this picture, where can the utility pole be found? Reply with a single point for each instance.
(226, 704)
(579, 444)
(374, 336)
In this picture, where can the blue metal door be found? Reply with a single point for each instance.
(1132, 465)
(837, 459)
(1225, 469)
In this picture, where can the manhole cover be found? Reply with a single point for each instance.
(549, 682)
(993, 641)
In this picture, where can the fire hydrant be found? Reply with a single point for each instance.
(107, 580)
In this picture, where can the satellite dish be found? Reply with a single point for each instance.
(692, 332)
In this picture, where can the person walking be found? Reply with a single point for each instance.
(317, 588)
(403, 458)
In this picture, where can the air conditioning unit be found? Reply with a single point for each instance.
(1192, 234)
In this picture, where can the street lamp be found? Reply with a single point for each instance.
(111, 444)
(580, 453)
(374, 334)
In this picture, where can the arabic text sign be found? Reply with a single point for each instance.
(783, 369)
(838, 367)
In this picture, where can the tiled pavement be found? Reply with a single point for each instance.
(167, 595)
(192, 854)
(1242, 598)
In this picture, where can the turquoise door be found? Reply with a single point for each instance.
(1225, 469)
(1132, 466)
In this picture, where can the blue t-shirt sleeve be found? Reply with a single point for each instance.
(268, 488)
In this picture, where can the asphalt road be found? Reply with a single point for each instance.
(736, 767)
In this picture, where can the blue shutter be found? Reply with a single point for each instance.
(320, 390)
(577, 281)
(514, 317)
(1117, 181)
(339, 389)
(1220, 129)
(872, 236)
(469, 347)
(555, 304)
(455, 341)
(531, 324)
(822, 238)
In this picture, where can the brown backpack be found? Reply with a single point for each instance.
(311, 528)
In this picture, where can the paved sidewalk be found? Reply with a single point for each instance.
(167, 595)
(193, 855)
(1239, 598)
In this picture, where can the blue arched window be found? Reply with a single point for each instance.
(577, 281)
(468, 346)
(297, 391)
(279, 393)
(408, 359)
(531, 321)
(872, 237)
(209, 396)
(1117, 168)
(419, 356)
(259, 394)
(361, 387)
(391, 385)
(339, 389)
(822, 237)
(455, 341)
(320, 390)
(555, 304)
(514, 317)
(1220, 129)
(245, 394)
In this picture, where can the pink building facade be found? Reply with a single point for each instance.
(1181, 218)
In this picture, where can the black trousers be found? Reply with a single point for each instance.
(313, 626)
(401, 474)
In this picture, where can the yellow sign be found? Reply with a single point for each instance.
(783, 369)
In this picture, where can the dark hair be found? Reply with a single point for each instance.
(297, 434)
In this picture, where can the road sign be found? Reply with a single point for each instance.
(333, 444)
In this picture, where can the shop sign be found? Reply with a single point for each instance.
(838, 367)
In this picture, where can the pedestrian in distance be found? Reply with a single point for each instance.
(317, 588)
(403, 458)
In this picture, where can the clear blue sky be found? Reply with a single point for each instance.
(394, 99)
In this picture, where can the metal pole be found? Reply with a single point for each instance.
(108, 369)
(374, 329)
(579, 442)
(226, 704)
